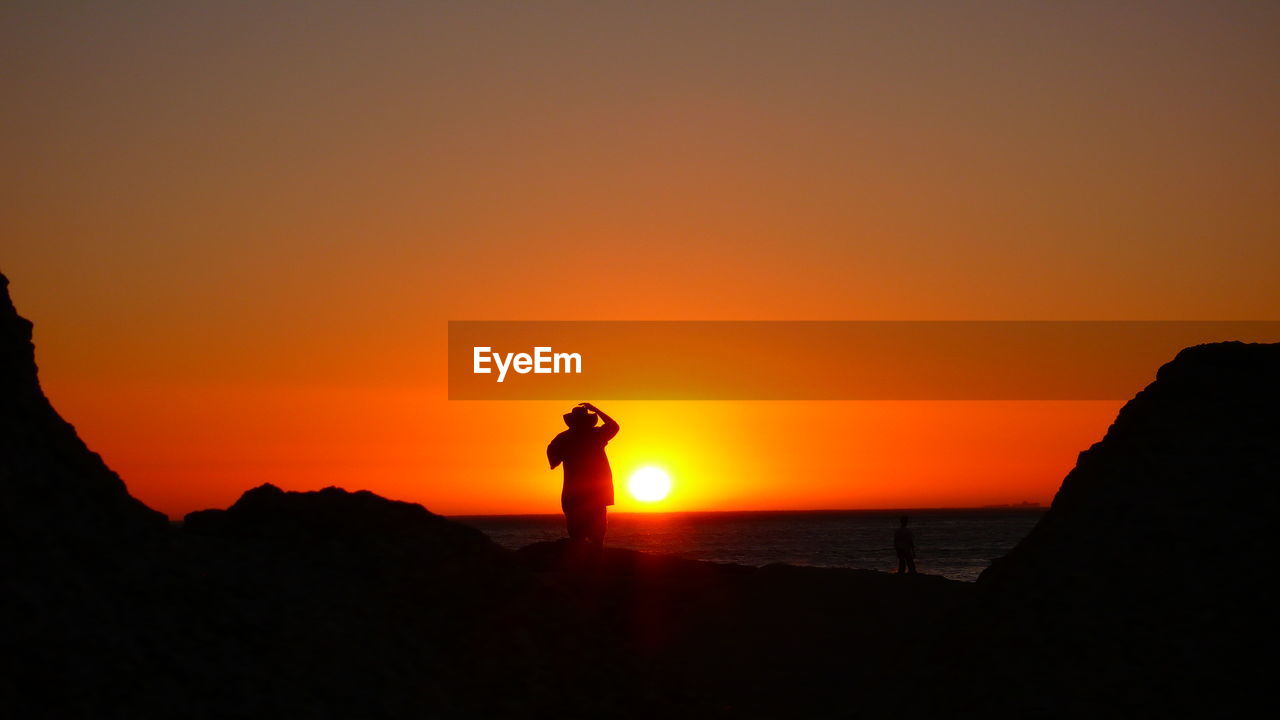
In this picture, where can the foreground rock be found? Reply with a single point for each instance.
(737, 641)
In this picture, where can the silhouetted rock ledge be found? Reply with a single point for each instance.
(1137, 595)
(333, 514)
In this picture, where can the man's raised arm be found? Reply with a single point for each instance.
(610, 425)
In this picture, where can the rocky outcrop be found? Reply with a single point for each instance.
(1143, 586)
(1172, 503)
(53, 489)
(335, 515)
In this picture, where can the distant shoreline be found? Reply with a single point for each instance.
(993, 509)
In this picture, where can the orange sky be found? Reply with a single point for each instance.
(241, 230)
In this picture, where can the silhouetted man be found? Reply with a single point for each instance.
(588, 481)
(904, 543)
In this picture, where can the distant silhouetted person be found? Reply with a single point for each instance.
(904, 543)
(588, 481)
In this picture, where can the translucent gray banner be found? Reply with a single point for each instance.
(557, 360)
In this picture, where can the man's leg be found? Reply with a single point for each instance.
(911, 564)
(599, 523)
(573, 523)
(902, 563)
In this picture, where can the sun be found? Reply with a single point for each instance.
(649, 484)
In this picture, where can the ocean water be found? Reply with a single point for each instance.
(957, 544)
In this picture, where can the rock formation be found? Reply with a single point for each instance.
(1169, 505)
(335, 515)
(53, 489)
(1144, 581)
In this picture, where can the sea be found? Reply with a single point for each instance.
(958, 544)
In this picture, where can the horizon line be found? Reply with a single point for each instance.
(1010, 506)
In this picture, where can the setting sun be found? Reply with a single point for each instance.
(649, 484)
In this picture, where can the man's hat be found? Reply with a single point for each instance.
(580, 417)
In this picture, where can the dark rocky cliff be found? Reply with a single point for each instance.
(1174, 499)
(1145, 585)
(53, 489)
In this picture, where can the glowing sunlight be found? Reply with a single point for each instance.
(649, 484)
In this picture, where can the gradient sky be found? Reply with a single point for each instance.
(240, 228)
